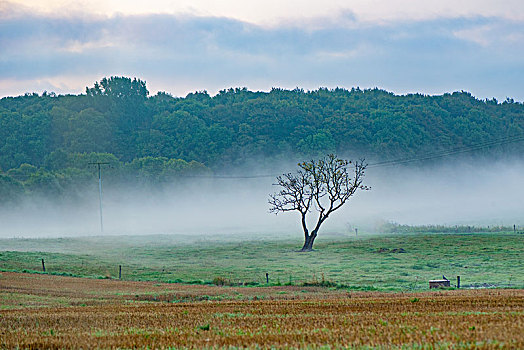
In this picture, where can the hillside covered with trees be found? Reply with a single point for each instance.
(47, 141)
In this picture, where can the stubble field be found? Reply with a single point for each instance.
(118, 314)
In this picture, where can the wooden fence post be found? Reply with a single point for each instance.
(119, 272)
(43, 265)
(458, 281)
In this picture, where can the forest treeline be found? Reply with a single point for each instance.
(47, 141)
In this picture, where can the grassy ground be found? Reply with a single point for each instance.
(388, 262)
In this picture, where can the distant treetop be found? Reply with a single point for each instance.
(119, 87)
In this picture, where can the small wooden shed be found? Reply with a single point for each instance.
(439, 283)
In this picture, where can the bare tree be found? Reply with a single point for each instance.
(320, 186)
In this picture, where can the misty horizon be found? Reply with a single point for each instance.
(466, 192)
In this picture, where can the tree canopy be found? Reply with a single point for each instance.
(118, 117)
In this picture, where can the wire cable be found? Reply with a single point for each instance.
(399, 161)
(429, 156)
(465, 149)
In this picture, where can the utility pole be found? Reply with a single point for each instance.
(99, 164)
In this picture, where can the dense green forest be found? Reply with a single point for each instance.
(47, 141)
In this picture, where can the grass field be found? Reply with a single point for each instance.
(394, 262)
(65, 312)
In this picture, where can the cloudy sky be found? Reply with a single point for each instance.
(179, 46)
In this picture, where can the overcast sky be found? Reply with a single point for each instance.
(181, 46)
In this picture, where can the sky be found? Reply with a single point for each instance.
(182, 46)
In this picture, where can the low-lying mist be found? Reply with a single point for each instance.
(448, 193)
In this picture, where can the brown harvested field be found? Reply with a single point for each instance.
(21, 290)
(118, 315)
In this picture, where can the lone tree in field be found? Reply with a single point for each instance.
(320, 186)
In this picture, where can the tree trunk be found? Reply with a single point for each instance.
(308, 242)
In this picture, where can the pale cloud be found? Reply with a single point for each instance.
(179, 53)
(420, 10)
(282, 12)
(495, 33)
(480, 35)
(79, 46)
(57, 83)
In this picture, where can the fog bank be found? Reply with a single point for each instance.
(450, 193)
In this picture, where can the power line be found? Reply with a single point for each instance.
(428, 156)
(398, 161)
(446, 153)
(232, 176)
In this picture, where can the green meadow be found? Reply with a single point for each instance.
(386, 262)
